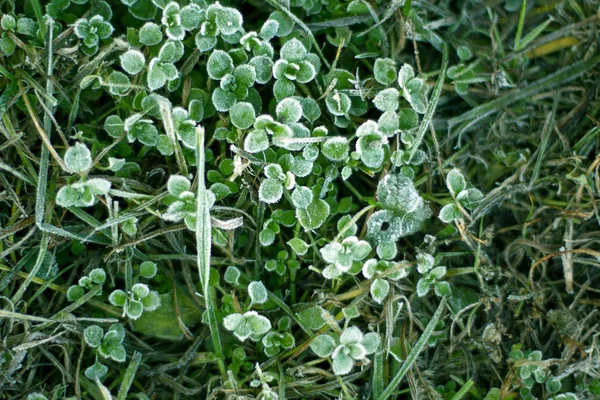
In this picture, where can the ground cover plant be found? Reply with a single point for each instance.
(329, 199)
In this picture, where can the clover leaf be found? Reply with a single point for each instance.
(91, 31)
(351, 346)
(108, 345)
(341, 256)
(178, 20)
(371, 145)
(274, 342)
(218, 21)
(248, 325)
(139, 299)
(412, 88)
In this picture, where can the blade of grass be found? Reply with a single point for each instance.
(535, 32)
(129, 375)
(520, 25)
(435, 96)
(378, 381)
(414, 353)
(468, 119)
(463, 390)
(40, 199)
(203, 247)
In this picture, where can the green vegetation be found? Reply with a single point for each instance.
(298, 199)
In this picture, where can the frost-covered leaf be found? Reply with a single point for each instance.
(338, 103)
(98, 186)
(151, 34)
(256, 141)
(313, 216)
(232, 275)
(336, 148)
(397, 192)
(299, 246)
(455, 181)
(242, 115)
(118, 83)
(379, 290)
(219, 64)
(405, 74)
(302, 197)
(289, 110)
(132, 61)
(371, 342)
(323, 345)
(78, 158)
(450, 213)
(270, 191)
(257, 292)
(470, 198)
(93, 335)
(342, 363)
(117, 298)
(387, 100)
(95, 371)
(178, 184)
(384, 71)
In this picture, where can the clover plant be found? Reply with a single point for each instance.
(468, 198)
(351, 346)
(91, 31)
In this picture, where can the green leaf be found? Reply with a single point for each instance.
(455, 181)
(219, 64)
(117, 298)
(323, 345)
(270, 191)
(289, 110)
(310, 109)
(379, 290)
(118, 83)
(302, 197)
(336, 148)
(257, 292)
(151, 34)
(256, 141)
(450, 213)
(242, 115)
(93, 335)
(286, 25)
(96, 371)
(299, 246)
(338, 103)
(313, 216)
(132, 61)
(78, 158)
(75, 292)
(164, 322)
(311, 317)
(384, 71)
